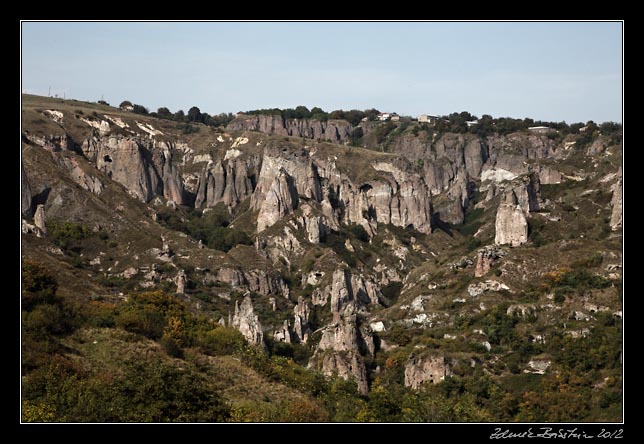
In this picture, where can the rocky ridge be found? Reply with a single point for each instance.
(300, 195)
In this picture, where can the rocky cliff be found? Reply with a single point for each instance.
(347, 258)
(144, 168)
(336, 131)
(229, 181)
(346, 340)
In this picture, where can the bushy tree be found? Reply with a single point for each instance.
(140, 109)
(194, 114)
(39, 286)
(164, 113)
(318, 113)
(180, 116)
(356, 136)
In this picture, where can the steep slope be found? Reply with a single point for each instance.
(451, 257)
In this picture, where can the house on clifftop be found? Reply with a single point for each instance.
(426, 118)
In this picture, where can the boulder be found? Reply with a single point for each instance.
(485, 259)
(481, 287)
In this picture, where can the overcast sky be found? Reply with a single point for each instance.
(546, 71)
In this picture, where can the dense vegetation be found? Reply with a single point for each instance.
(353, 116)
(456, 122)
(194, 115)
(211, 228)
(150, 387)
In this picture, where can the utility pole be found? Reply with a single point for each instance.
(49, 94)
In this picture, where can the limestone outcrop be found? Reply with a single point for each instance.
(527, 190)
(78, 174)
(145, 168)
(511, 224)
(40, 221)
(50, 143)
(301, 327)
(337, 131)
(341, 348)
(428, 369)
(247, 322)
(280, 200)
(486, 258)
(345, 340)
(253, 280)
(347, 288)
(229, 181)
(283, 334)
(181, 280)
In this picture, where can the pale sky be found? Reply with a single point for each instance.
(551, 71)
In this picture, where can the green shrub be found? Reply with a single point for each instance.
(212, 228)
(186, 128)
(391, 292)
(222, 341)
(383, 130)
(146, 322)
(171, 347)
(473, 243)
(359, 232)
(39, 286)
(48, 319)
(336, 241)
(307, 266)
(499, 326)
(593, 261)
(67, 234)
(144, 391)
(148, 313)
(581, 279)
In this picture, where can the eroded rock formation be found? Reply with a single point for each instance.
(511, 224)
(337, 131)
(247, 322)
(40, 221)
(422, 370)
(486, 258)
(144, 167)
